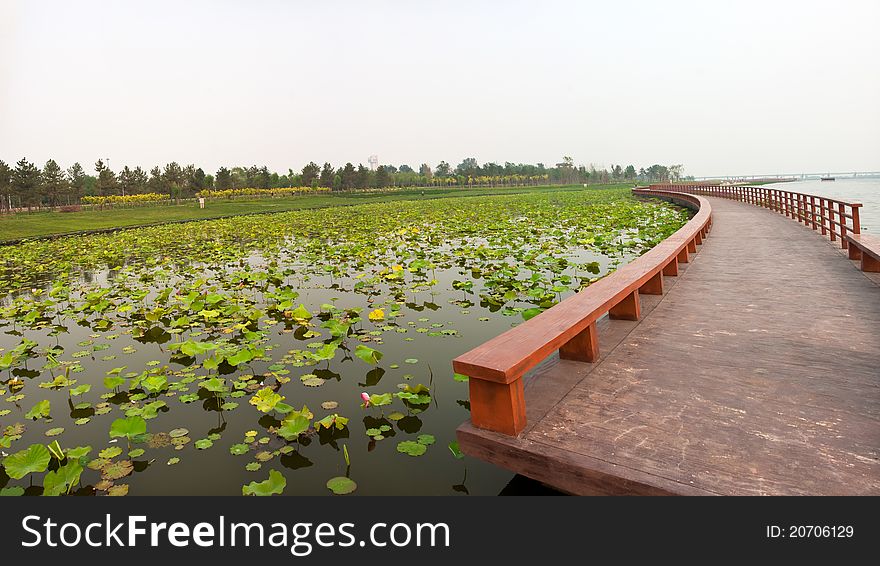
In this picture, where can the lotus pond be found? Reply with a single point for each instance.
(305, 352)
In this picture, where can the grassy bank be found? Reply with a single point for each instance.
(37, 224)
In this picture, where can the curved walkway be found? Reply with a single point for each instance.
(758, 372)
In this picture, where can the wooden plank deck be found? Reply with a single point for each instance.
(757, 372)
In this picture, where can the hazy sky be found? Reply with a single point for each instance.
(724, 88)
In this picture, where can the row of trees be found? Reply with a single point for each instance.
(27, 186)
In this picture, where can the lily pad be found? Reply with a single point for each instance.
(109, 453)
(411, 448)
(116, 470)
(238, 449)
(273, 486)
(341, 485)
(34, 459)
(40, 410)
(128, 428)
(118, 490)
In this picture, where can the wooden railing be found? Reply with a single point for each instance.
(496, 368)
(833, 218)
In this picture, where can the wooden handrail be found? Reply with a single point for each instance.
(496, 367)
(827, 215)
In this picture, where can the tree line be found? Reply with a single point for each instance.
(25, 185)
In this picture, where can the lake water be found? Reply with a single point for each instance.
(865, 191)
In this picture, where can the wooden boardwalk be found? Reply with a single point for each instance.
(757, 372)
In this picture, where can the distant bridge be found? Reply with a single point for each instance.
(786, 176)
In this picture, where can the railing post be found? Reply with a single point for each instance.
(831, 229)
(499, 407)
(813, 212)
(822, 216)
(857, 226)
(841, 209)
(671, 268)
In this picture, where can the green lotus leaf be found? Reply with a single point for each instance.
(214, 385)
(34, 459)
(242, 356)
(341, 485)
(379, 400)
(291, 428)
(456, 451)
(78, 452)
(367, 354)
(63, 479)
(301, 314)
(266, 399)
(411, 448)
(273, 486)
(331, 421)
(40, 410)
(80, 389)
(238, 449)
(128, 428)
(110, 452)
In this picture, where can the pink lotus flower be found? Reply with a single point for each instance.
(366, 399)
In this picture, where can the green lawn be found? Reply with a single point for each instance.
(28, 225)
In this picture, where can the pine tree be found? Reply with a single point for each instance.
(223, 180)
(106, 184)
(126, 181)
(362, 179)
(156, 184)
(327, 174)
(349, 177)
(174, 180)
(139, 180)
(76, 178)
(5, 187)
(54, 183)
(26, 183)
(309, 174)
(383, 178)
